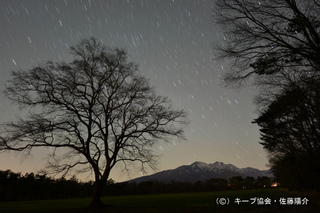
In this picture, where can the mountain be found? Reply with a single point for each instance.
(199, 171)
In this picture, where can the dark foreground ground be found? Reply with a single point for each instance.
(283, 209)
(175, 203)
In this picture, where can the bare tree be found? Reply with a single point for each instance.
(267, 38)
(276, 46)
(93, 112)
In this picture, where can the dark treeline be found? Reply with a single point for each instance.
(215, 184)
(14, 186)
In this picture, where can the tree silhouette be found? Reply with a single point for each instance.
(276, 46)
(236, 182)
(290, 132)
(264, 38)
(93, 112)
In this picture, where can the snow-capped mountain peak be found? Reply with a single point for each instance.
(200, 171)
(200, 165)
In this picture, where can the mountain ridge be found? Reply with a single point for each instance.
(200, 171)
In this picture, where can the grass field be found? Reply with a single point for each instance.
(178, 202)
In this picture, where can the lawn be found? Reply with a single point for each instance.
(175, 202)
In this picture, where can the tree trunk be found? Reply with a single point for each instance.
(96, 201)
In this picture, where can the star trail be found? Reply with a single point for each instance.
(172, 43)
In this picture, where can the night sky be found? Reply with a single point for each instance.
(172, 43)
